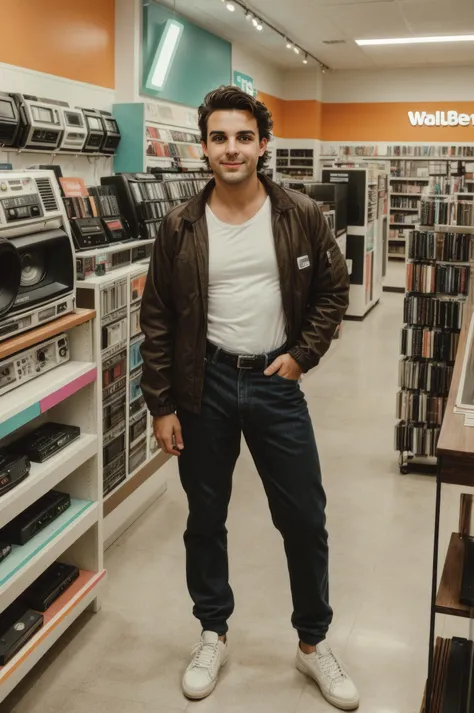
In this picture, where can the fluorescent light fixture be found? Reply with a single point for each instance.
(417, 40)
(230, 6)
(164, 54)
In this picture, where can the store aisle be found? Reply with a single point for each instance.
(129, 658)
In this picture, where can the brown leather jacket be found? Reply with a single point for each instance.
(314, 287)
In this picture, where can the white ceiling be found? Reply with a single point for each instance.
(310, 22)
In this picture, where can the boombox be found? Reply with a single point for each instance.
(37, 262)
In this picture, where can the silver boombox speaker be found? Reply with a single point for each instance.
(37, 262)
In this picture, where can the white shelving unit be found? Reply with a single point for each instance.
(126, 462)
(66, 394)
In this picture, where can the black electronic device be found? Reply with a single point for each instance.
(35, 518)
(95, 131)
(135, 190)
(115, 229)
(45, 441)
(49, 586)
(467, 582)
(112, 133)
(5, 549)
(334, 194)
(23, 366)
(17, 625)
(88, 233)
(9, 120)
(13, 469)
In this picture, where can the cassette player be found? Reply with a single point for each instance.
(45, 441)
(17, 625)
(13, 470)
(88, 233)
(49, 586)
(35, 518)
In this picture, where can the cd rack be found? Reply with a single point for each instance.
(439, 263)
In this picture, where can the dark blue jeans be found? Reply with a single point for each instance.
(272, 414)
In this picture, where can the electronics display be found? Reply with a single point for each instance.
(112, 133)
(114, 413)
(129, 187)
(9, 120)
(136, 359)
(136, 457)
(135, 389)
(135, 327)
(115, 230)
(49, 586)
(41, 122)
(137, 429)
(95, 131)
(17, 626)
(75, 133)
(114, 473)
(113, 297)
(36, 251)
(13, 470)
(45, 441)
(88, 233)
(28, 364)
(114, 375)
(35, 518)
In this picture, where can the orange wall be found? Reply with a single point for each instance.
(296, 119)
(68, 38)
(389, 122)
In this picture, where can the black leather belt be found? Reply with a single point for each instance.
(256, 362)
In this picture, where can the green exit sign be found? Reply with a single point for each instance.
(244, 82)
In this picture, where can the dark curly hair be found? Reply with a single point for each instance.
(234, 98)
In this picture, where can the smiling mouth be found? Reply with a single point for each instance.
(229, 163)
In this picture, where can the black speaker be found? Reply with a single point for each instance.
(10, 275)
(34, 269)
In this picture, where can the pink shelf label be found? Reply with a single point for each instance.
(68, 390)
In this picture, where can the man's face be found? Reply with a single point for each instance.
(233, 146)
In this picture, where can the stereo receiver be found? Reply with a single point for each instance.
(24, 366)
(13, 469)
(95, 131)
(112, 133)
(9, 120)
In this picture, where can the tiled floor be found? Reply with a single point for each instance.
(129, 657)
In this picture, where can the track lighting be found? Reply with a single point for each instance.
(296, 50)
(289, 45)
(248, 15)
(259, 27)
(230, 6)
(305, 61)
(255, 22)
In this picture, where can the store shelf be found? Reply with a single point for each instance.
(398, 209)
(447, 600)
(27, 562)
(46, 331)
(410, 195)
(57, 619)
(115, 248)
(93, 280)
(28, 401)
(425, 179)
(396, 256)
(45, 476)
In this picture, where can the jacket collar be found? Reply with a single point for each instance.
(196, 207)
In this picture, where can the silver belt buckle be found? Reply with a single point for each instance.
(242, 358)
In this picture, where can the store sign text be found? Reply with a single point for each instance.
(440, 118)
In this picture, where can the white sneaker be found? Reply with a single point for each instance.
(200, 678)
(326, 669)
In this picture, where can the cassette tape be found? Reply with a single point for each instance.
(137, 285)
(113, 297)
(114, 333)
(137, 429)
(135, 389)
(137, 456)
(135, 327)
(135, 354)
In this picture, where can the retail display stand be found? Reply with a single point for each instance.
(366, 233)
(449, 668)
(67, 394)
(437, 282)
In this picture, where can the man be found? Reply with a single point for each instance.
(245, 290)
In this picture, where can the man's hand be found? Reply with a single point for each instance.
(167, 430)
(284, 366)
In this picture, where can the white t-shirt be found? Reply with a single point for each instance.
(245, 313)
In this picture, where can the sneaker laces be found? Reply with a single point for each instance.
(204, 655)
(331, 667)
